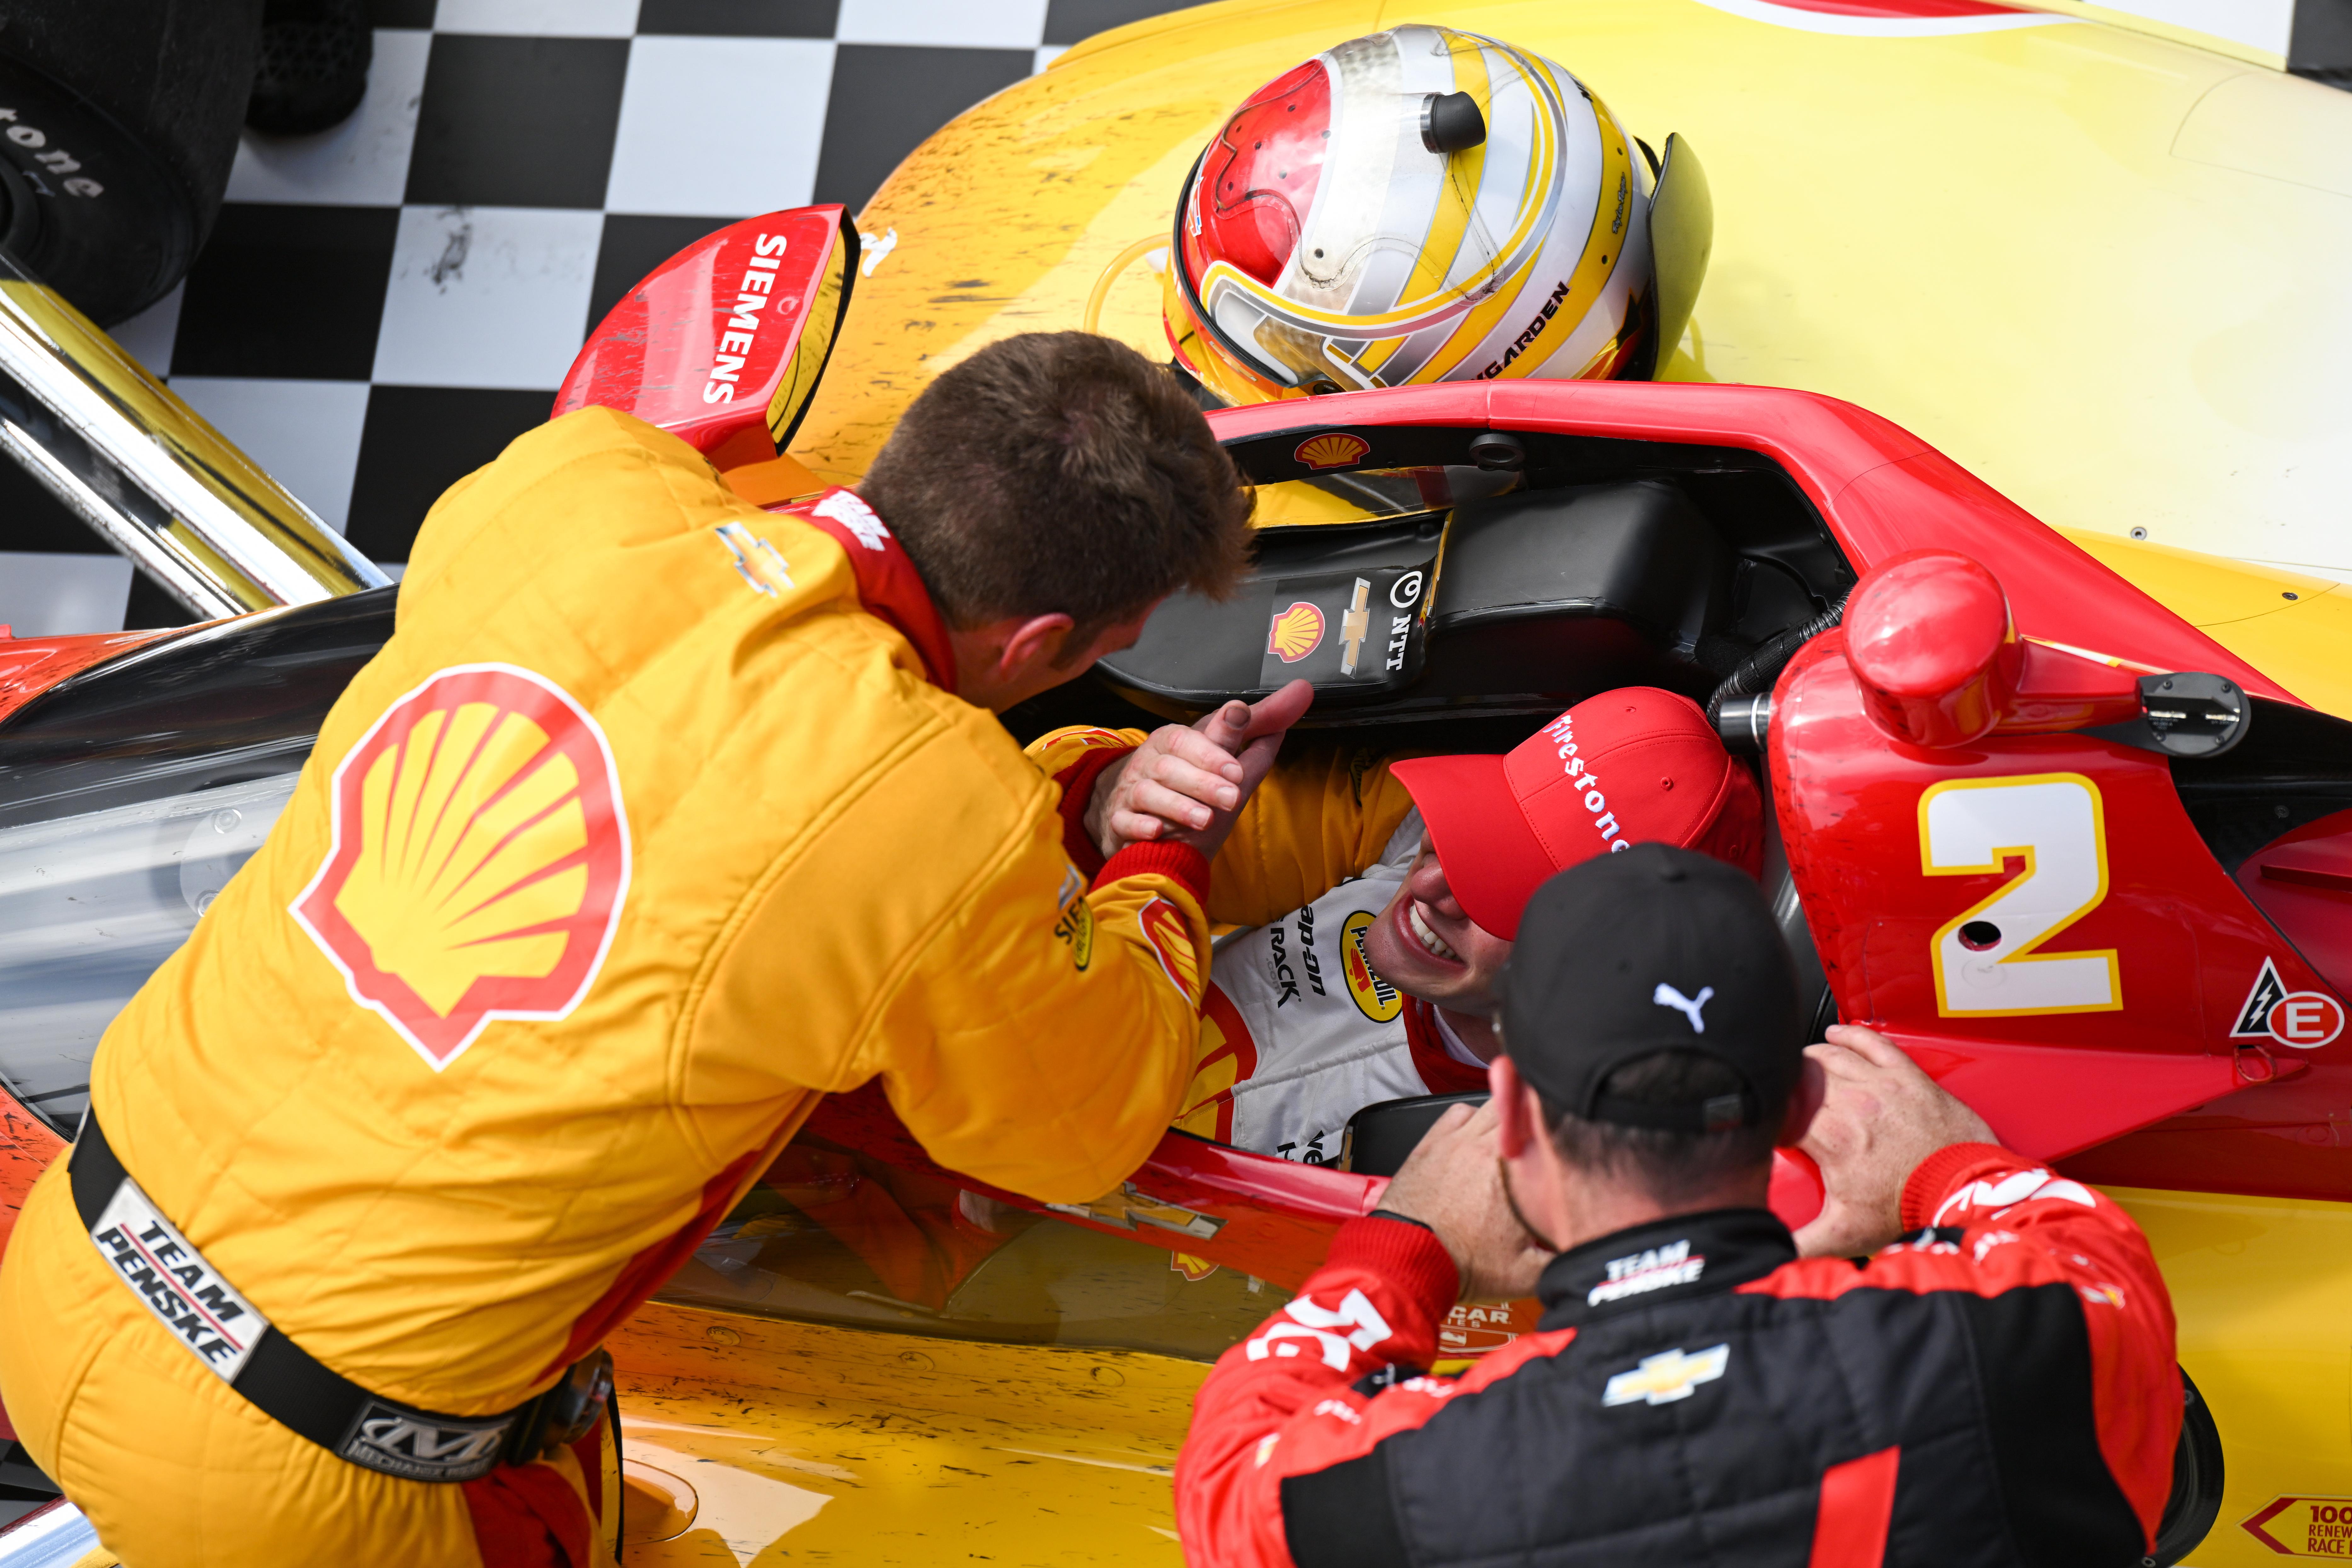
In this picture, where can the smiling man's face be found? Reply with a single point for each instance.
(1426, 946)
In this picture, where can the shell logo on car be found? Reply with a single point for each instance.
(478, 861)
(1295, 632)
(1379, 1001)
(1336, 450)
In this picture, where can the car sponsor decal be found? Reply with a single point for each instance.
(478, 859)
(1340, 629)
(173, 1281)
(1375, 997)
(1668, 1376)
(1295, 632)
(2304, 1019)
(1194, 1269)
(2304, 1526)
(1334, 449)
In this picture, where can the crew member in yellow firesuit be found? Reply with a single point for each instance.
(659, 817)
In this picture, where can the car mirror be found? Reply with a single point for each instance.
(723, 344)
(1682, 237)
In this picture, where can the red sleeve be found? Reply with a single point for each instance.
(1994, 1221)
(1284, 1401)
(1077, 782)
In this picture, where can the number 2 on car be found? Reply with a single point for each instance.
(1985, 958)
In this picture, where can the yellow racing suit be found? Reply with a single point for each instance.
(1324, 816)
(647, 828)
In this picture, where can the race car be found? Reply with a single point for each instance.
(2094, 257)
(2086, 863)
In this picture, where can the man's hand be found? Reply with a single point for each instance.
(1452, 1184)
(1879, 1117)
(1186, 785)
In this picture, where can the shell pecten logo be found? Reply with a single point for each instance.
(1295, 633)
(478, 860)
(1335, 449)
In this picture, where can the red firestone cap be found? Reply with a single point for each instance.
(1634, 765)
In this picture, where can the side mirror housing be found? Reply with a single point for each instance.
(723, 344)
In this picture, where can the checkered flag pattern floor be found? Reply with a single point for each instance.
(383, 307)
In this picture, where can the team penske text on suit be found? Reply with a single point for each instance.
(1997, 1388)
(650, 825)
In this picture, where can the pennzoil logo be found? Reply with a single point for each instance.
(1336, 449)
(1375, 997)
(1295, 633)
(478, 860)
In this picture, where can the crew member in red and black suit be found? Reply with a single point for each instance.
(1965, 1359)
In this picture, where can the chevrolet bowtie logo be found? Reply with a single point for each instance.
(1355, 626)
(1664, 1378)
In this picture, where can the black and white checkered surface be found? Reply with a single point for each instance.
(383, 307)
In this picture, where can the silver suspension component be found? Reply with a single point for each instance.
(149, 475)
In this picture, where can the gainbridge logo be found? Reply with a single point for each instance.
(478, 861)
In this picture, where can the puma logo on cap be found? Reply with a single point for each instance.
(1667, 997)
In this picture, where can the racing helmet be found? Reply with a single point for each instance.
(1425, 204)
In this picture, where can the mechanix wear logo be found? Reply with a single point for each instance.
(1379, 1001)
(478, 860)
(416, 1447)
(173, 1280)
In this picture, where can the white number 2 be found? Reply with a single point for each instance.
(1985, 959)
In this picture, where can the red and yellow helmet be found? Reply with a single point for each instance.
(1424, 204)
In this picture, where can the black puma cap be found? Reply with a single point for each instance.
(1654, 949)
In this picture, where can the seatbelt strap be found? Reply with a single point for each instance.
(237, 1344)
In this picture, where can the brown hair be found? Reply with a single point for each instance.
(1060, 472)
(1668, 1167)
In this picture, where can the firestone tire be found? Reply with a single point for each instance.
(117, 122)
(2196, 1500)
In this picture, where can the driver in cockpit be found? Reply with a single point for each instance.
(1369, 902)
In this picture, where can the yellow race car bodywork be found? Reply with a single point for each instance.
(2099, 269)
(2098, 266)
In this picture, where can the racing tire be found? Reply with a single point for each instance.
(117, 122)
(2196, 1500)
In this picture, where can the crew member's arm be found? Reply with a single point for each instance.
(1287, 1413)
(1043, 1037)
(1323, 814)
(2071, 1299)
(2069, 1294)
